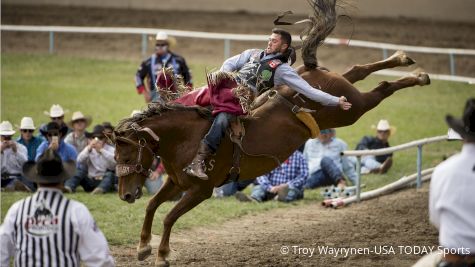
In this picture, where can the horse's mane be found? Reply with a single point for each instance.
(157, 109)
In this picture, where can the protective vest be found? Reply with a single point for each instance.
(259, 74)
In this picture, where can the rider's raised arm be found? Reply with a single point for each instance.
(236, 62)
(288, 76)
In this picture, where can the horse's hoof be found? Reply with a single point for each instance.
(161, 263)
(404, 60)
(423, 78)
(144, 252)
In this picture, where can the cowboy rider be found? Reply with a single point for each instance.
(259, 70)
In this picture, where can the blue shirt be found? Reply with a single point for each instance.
(294, 172)
(31, 146)
(315, 150)
(65, 151)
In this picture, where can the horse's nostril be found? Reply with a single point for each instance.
(127, 196)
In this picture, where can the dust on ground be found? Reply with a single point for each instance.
(400, 219)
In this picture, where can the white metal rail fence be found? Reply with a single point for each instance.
(384, 151)
(228, 37)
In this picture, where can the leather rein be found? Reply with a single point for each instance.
(123, 169)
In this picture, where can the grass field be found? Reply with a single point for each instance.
(105, 90)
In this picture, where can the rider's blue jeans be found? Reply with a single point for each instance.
(218, 130)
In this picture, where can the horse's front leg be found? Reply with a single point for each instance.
(166, 192)
(194, 196)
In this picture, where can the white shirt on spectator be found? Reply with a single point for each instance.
(452, 200)
(12, 162)
(97, 162)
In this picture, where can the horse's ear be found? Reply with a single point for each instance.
(148, 134)
(110, 136)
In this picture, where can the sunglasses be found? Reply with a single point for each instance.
(160, 45)
(57, 118)
(27, 131)
(386, 131)
(7, 137)
(53, 134)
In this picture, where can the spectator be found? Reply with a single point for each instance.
(451, 201)
(232, 188)
(326, 165)
(162, 58)
(56, 114)
(47, 229)
(285, 183)
(13, 156)
(27, 137)
(54, 135)
(98, 156)
(155, 180)
(376, 164)
(77, 138)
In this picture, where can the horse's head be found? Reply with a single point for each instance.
(134, 154)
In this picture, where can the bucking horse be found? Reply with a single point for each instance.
(273, 131)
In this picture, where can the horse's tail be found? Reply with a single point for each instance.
(321, 25)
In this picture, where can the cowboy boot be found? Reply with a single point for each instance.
(196, 166)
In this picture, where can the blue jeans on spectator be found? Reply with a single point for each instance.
(8, 181)
(217, 130)
(89, 184)
(260, 194)
(153, 185)
(329, 174)
(230, 189)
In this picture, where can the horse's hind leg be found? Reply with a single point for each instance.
(194, 196)
(166, 192)
(359, 72)
(385, 89)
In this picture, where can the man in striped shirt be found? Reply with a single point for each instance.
(285, 183)
(47, 229)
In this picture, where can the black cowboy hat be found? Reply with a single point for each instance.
(108, 125)
(98, 132)
(54, 127)
(466, 125)
(49, 169)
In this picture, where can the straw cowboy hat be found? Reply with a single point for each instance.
(383, 125)
(6, 128)
(163, 36)
(49, 169)
(466, 125)
(77, 115)
(55, 111)
(26, 124)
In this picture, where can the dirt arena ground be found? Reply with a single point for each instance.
(398, 31)
(400, 219)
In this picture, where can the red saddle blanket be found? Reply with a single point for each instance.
(219, 96)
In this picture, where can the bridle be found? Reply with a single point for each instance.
(123, 169)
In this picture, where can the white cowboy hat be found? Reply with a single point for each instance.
(27, 124)
(161, 36)
(6, 128)
(77, 115)
(383, 125)
(55, 111)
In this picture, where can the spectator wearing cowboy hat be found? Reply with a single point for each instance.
(27, 137)
(77, 137)
(451, 201)
(13, 156)
(98, 156)
(162, 58)
(54, 135)
(47, 228)
(56, 114)
(377, 164)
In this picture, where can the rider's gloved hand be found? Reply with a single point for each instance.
(140, 89)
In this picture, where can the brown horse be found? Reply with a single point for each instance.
(173, 132)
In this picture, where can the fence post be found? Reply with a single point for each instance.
(227, 48)
(452, 64)
(51, 42)
(385, 53)
(144, 44)
(419, 166)
(358, 178)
